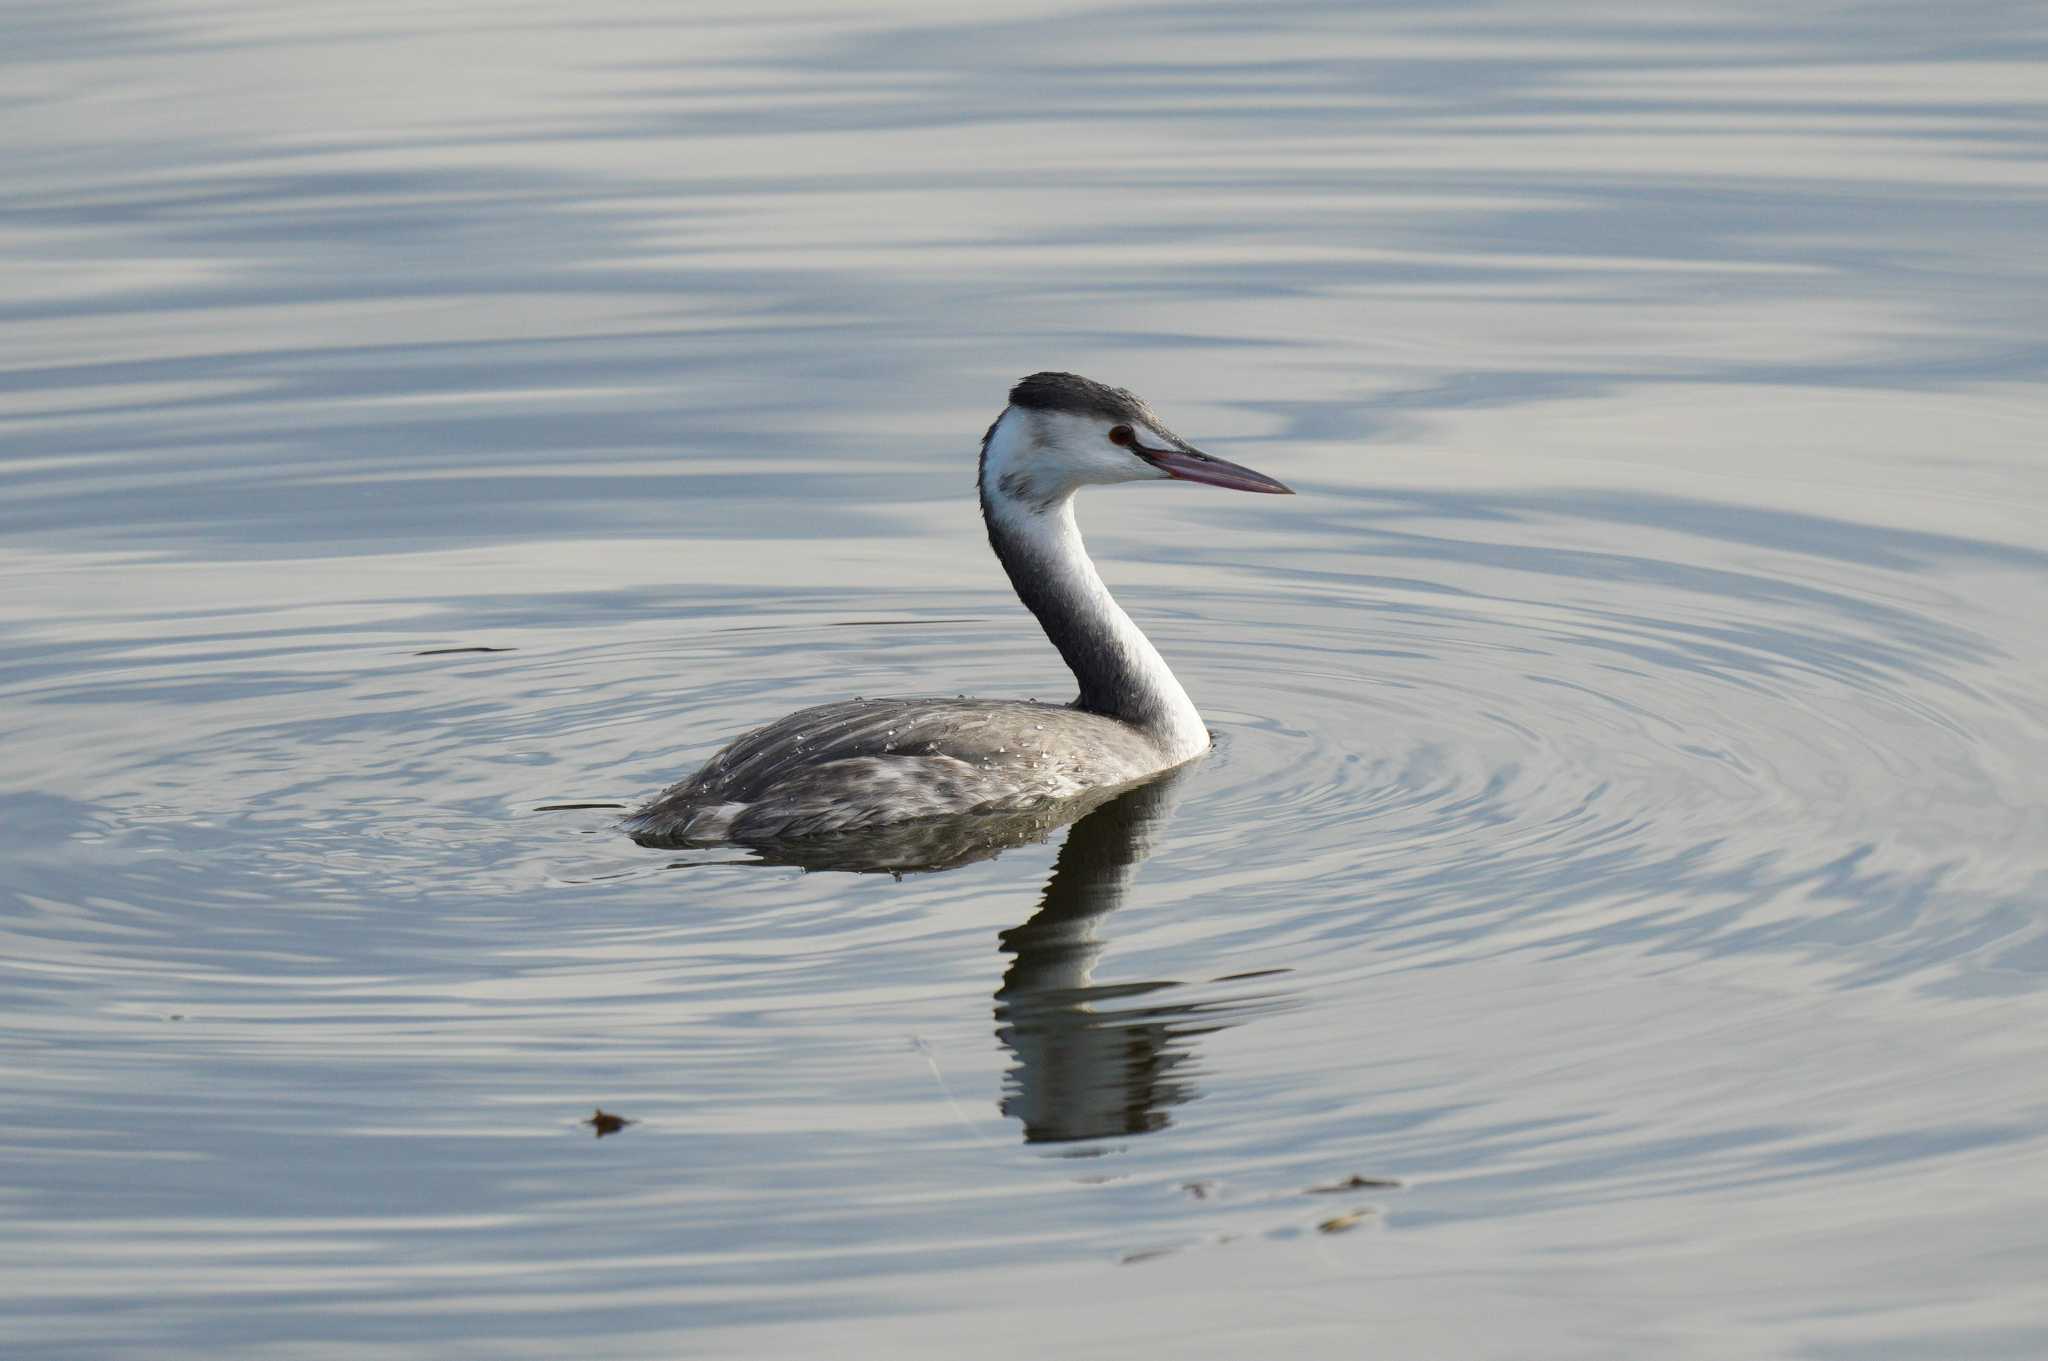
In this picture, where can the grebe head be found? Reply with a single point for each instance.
(1062, 432)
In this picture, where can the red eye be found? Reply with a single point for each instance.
(1122, 434)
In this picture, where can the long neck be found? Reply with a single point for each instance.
(1121, 674)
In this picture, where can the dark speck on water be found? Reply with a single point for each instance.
(1355, 1183)
(603, 1122)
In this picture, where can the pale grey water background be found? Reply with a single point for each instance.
(1629, 805)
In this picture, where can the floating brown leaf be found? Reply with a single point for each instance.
(604, 1122)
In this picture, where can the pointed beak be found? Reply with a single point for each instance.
(1192, 465)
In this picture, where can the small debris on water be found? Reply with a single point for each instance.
(604, 1122)
(1355, 1183)
(1199, 1190)
(1344, 1222)
(571, 807)
(451, 651)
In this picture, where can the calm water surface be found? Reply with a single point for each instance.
(1626, 845)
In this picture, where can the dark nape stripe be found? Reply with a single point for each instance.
(1111, 683)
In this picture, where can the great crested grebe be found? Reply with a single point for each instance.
(870, 762)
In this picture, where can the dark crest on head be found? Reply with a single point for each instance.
(1072, 393)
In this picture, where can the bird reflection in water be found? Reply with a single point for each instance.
(1084, 1073)
(1091, 1062)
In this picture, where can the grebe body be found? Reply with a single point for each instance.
(872, 762)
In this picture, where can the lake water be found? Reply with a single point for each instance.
(1625, 850)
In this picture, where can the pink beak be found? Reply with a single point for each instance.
(1191, 465)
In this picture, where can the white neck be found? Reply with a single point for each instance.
(1121, 674)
